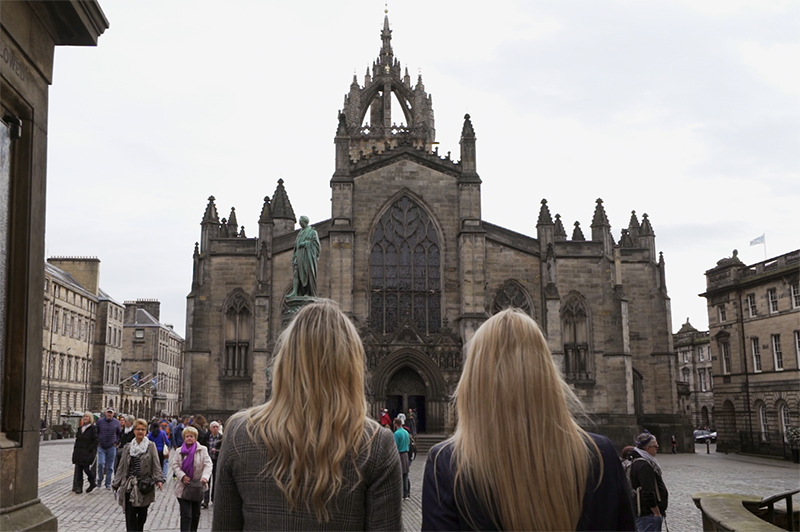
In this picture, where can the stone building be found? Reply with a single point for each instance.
(101, 377)
(70, 318)
(29, 32)
(695, 375)
(754, 326)
(407, 254)
(152, 360)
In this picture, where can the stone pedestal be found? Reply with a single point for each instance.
(293, 306)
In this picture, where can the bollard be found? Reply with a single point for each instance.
(708, 446)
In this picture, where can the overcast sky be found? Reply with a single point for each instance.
(686, 110)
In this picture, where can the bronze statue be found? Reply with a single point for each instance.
(304, 261)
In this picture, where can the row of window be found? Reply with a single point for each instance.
(69, 324)
(114, 336)
(701, 378)
(701, 354)
(61, 402)
(772, 302)
(784, 418)
(755, 351)
(61, 366)
(111, 374)
(70, 296)
(166, 383)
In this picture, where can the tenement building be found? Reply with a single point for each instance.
(754, 326)
(695, 382)
(152, 360)
(408, 255)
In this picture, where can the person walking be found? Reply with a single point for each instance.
(309, 458)
(214, 446)
(201, 424)
(138, 474)
(108, 432)
(402, 440)
(518, 459)
(192, 467)
(158, 436)
(652, 496)
(177, 434)
(84, 453)
(412, 422)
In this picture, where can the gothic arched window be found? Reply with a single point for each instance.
(238, 318)
(512, 295)
(405, 270)
(578, 360)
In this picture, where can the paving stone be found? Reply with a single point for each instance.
(684, 474)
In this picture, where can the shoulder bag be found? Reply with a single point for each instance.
(193, 491)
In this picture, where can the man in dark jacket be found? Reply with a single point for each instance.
(652, 496)
(108, 429)
(84, 452)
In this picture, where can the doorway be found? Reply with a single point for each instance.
(405, 390)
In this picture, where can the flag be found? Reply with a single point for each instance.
(136, 379)
(756, 241)
(155, 382)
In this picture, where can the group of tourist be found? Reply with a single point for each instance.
(311, 457)
(135, 457)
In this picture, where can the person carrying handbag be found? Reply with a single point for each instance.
(652, 496)
(192, 467)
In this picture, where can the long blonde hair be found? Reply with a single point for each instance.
(316, 416)
(517, 447)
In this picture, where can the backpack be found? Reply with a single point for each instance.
(634, 493)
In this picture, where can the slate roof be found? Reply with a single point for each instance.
(65, 279)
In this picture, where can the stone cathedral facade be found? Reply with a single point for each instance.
(407, 254)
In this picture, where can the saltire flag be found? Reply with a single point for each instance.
(136, 379)
(756, 241)
(155, 381)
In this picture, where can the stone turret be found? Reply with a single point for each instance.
(545, 228)
(647, 238)
(601, 228)
(209, 226)
(265, 223)
(469, 183)
(233, 225)
(282, 212)
(559, 233)
(577, 233)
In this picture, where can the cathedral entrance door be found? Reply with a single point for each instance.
(407, 384)
(394, 404)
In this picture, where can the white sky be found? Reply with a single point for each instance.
(686, 110)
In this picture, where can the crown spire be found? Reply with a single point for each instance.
(386, 42)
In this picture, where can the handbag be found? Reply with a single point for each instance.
(146, 485)
(193, 491)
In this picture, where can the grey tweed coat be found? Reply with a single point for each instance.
(247, 499)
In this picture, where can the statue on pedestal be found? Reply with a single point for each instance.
(304, 261)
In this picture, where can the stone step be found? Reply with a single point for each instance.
(426, 441)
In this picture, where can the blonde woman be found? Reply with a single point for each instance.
(532, 467)
(309, 458)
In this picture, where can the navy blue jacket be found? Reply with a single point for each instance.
(605, 507)
(108, 431)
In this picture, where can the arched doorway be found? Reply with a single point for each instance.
(406, 389)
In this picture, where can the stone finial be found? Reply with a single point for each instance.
(560, 234)
(197, 248)
(646, 229)
(232, 222)
(467, 131)
(600, 218)
(210, 215)
(544, 214)
(633, 224)
(625, 241)
(577, 234)
(341, 129)
(281, 206)
(266, 212)
(241, 233)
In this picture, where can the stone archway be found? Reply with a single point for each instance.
(406, 389)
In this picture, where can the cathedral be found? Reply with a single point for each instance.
(408, 256)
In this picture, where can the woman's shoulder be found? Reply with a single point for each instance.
(604, 445)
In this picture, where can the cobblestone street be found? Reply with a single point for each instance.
(684, 475)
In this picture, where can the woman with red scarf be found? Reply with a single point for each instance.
(192, 468)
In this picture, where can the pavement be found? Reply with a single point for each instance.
(684, 474)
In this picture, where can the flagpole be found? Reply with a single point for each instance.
(765, 246)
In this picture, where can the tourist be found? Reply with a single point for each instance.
(177, 434)
(108, 432)
(138, 473)
(160, 438)
(386, 421)
(402, 439)
(309, 457)
(83, 453)
(214, 446)
(192, 468)
(651, 492)
(518, 459)
(201, 425)
(412, 421)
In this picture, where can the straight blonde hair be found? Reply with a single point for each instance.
(317, 414)
(517, 447)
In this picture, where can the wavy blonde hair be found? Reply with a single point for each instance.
(315, 419)
(517, 447)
